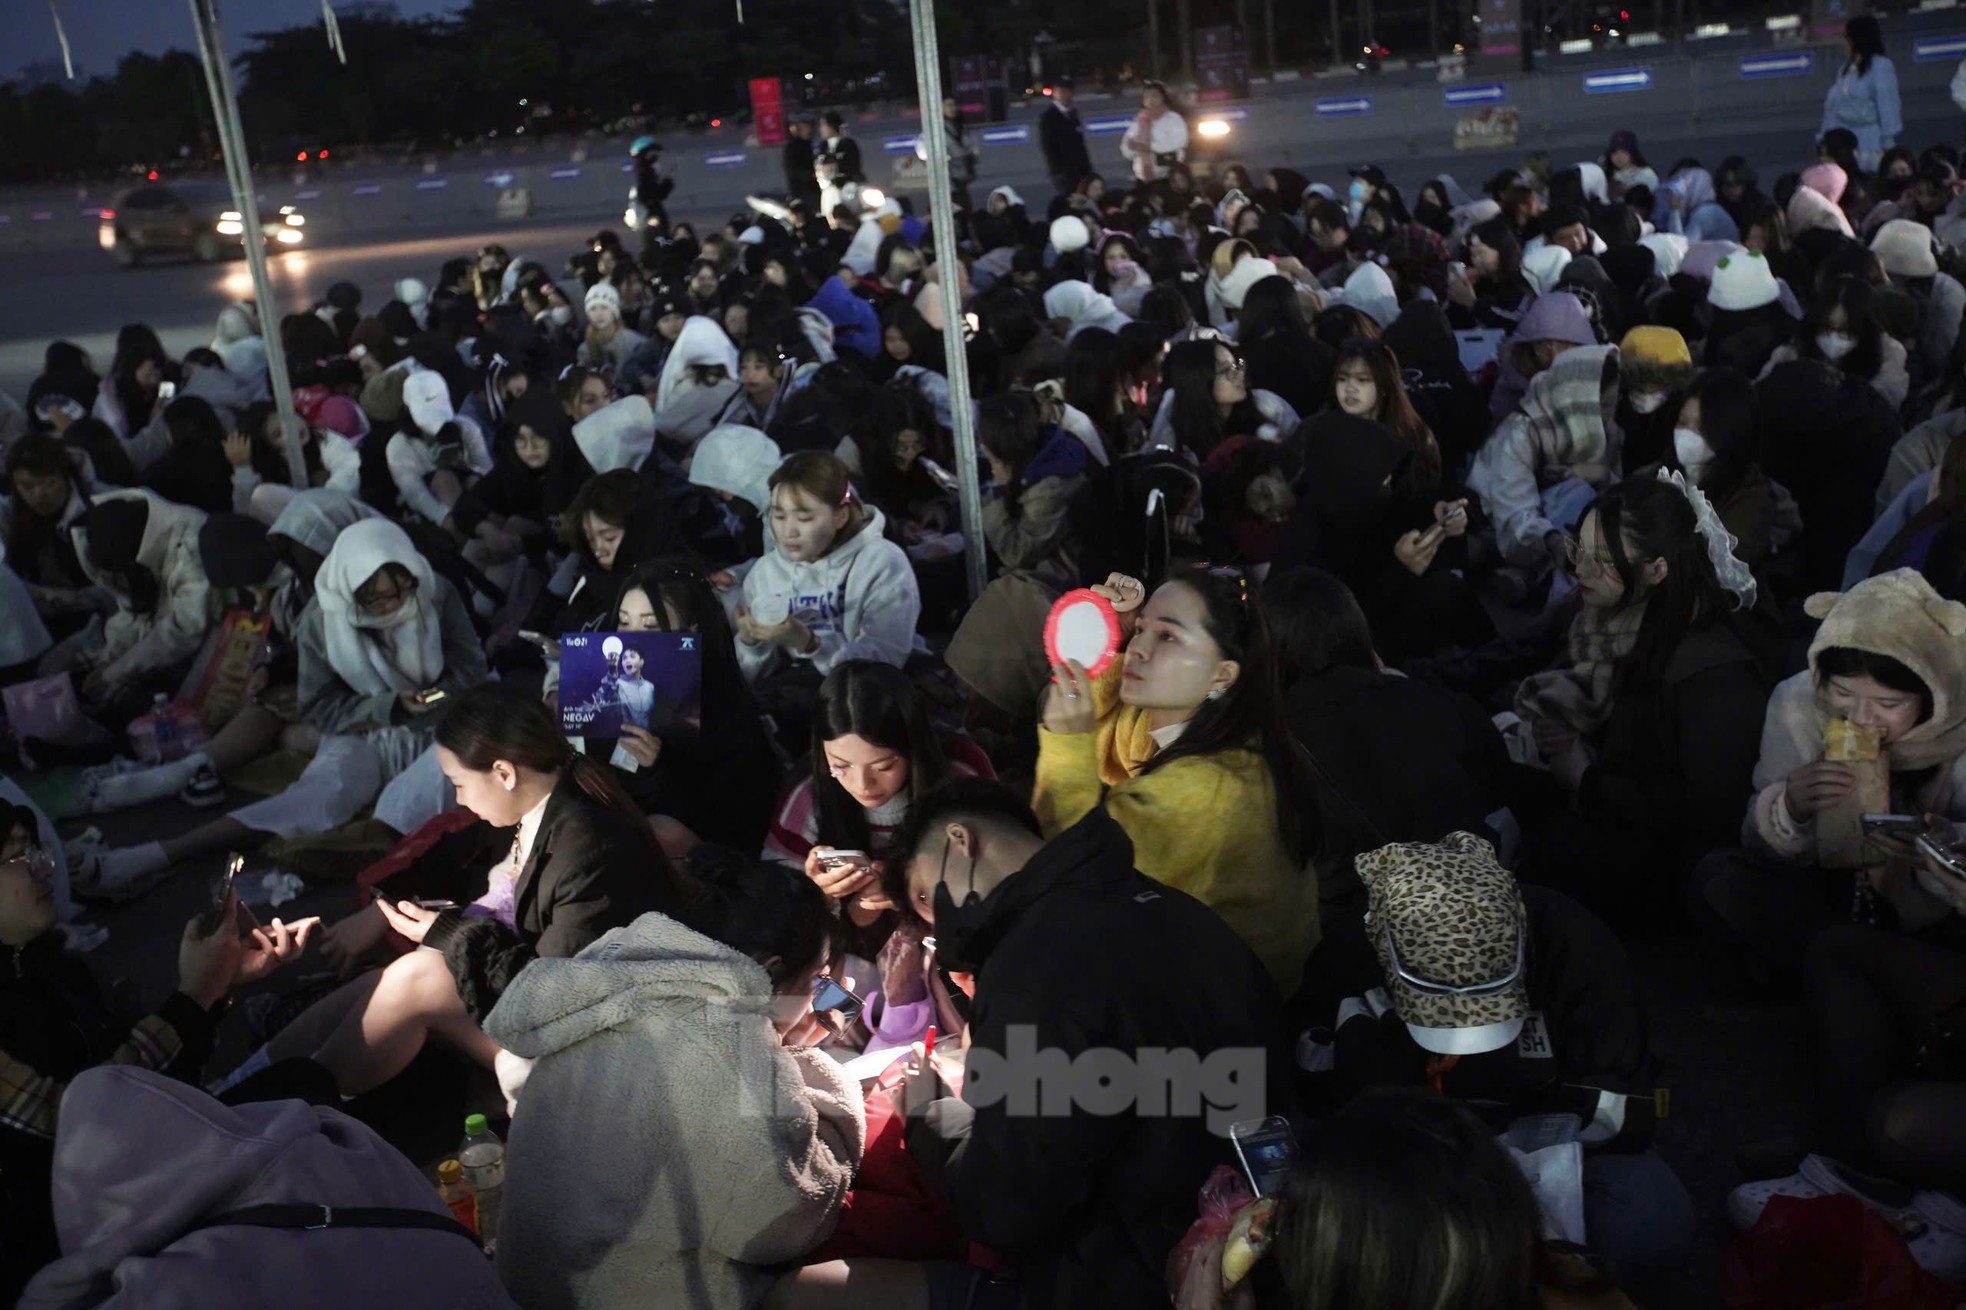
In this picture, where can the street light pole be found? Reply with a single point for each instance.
(942, 219)
(238, 171)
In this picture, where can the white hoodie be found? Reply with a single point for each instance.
(136, 644)
(859, 599)
(684, 408)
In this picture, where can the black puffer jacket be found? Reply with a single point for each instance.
(1827, 437)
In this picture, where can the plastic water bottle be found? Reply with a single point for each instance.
(164, 725)
(457, 1194)
(483, 1158)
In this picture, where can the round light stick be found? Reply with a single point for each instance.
(1083, 626)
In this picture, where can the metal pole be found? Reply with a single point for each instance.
(1337, 36)
(1153, 38)
(1270, 37)
(1187, 35)
(942, 218)
(238, 171)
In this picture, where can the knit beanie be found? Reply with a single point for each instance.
(1069, 233)
(1656, 345)
(1743, 280)
(605, 296)
(1904, 248)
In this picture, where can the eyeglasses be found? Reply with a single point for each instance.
(375, 602)
(1433, 988)
(1235, 370)
(33, 861)
(1577, 557)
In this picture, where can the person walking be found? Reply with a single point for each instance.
(1061, 134)
(800, 182)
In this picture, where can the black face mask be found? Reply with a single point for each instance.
(956, 924)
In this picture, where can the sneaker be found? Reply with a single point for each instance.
(85, 848)
(205, 789)
(1819, 1176)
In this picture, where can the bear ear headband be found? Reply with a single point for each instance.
(1727, 566)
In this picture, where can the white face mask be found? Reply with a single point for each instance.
(1835, 345)
(1692, 450)
(561, 315)
(1647, 402)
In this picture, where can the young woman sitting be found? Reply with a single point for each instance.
(1208, 400)
(583, 861)
(1186, 744)
(144, 550)
(1650, 732)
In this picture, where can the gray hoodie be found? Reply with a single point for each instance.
(667, 1146)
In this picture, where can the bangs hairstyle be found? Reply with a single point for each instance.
(880, 705)
(1851, 662)
(1250, 714)
(611, 497)
(1395, 406)
(823, 476)
(496, 721)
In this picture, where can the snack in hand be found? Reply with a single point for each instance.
(1845, 742)
(1249, 1239)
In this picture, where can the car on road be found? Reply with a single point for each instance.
(187, 218)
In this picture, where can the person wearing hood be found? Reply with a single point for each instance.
(241, 349)
(610, 343)
(736, 463)
(1887, 660)
(766, 375)
(1906, 252)
(435, 454)
(832, 588)
(1815, 202)
(1545, 460)
(516, 509)
(1442, 394)
(1555, 323)
(1826, 436)
(667, 313)
(45, 497)
(55, 1024)
(699, 381)
(748, 1151)
(1842, 330)
(66, 384)
(1687, 204)
(620, 435)
(1066, 940)
(1080, 307)
(1538, 1015)
(856, 324)
(144, 550)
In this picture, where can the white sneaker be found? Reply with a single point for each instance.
(1941, 1249)
(1818, 1176)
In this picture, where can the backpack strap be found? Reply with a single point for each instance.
(312, 1217)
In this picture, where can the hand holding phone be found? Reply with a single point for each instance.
(1268, 1152)
(224, 890)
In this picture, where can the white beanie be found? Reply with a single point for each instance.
(427, 397)
(1370, 291)
(1743, 280)
(605, 296)
(1542, 266)
(1247, 273)
(1668, 249)
(1904, 249)
(1069, 233)
(411, 292)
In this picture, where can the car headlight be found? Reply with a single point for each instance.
(296, 220)
(1213, 128)
(231, 227)
(288, 236)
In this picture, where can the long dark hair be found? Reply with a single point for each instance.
(1316, 625)
(135, 343)
(1092, 384)
(1645, 520)
(496, 721)
(1271, 308)
(1250, 713)
(1395, 406)
(758, 908)
(675, 583)
(1011, 428)
(877, 703)
(1853, 296)
(1190, 375)
(107, 456)
(1730, 423)
(1498, 236)
(1866, 37)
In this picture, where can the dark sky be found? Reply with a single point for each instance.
(102, 31)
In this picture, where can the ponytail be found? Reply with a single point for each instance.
(598, 784)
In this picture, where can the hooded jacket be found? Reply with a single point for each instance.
(1078, 953)
(514, 490)
(1557, 316)
(1446, 399)
(616, 436)
(739, 461)
(1895, 614)
(1827, 437)
(724, 1151)
(135, 645)
(684, 408)
(142, 1162)
(1564, 421)
(1204, 824)
(1083, 307)
(860, 601)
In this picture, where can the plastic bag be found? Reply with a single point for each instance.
(1826, 1253)
(46, 710)
(1225, 1192)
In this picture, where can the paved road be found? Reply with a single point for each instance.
(80, 295)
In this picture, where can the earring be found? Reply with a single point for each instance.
(511, 784)
(1217, 693)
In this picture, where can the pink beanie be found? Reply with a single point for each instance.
(1826, 180)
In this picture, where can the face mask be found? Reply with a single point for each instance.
(1835, 345)
(1647, 402)
(1692, 450)
(560, 315)
(1357, 191)
(956, 924)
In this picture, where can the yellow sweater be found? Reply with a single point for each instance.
(1205, 824)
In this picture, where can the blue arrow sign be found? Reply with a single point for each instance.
(1107, 126)
(1486, 93)
(369, 189)
(899, 145)
(312, 193)
(1003, 136)
(1618, 79)
(563, 174)
(1345, 107)
(729, 160)
(498, 179)
(1790, 65)
(1938, 47)
(433, 183)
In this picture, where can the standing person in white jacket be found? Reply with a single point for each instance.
(1864, 97)
(833, 588)
(1158, 137)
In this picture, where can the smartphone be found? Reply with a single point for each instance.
(1952, 860)
(167, 391)
(1895, 824)
(539, 639)
(431, 697)
(843, 859)
(942, 477)
(829, 995)
(1268, 1152)
(223, 889)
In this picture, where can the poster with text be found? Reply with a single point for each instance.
(653, 680)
